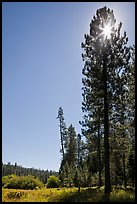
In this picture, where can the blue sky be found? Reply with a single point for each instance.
(41, 71)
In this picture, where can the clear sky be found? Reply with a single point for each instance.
(41, 71)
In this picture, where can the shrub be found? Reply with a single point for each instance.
(22, 182)
(53, 182)
(6, 179)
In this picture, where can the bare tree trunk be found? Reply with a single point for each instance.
(99, 158)
(106, 134)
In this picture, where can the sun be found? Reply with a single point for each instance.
(106, 31)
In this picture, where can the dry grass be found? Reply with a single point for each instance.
(65, 195)
(40, 195)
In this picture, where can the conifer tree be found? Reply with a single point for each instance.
(62, 129)
(63, 139)
(131, 118)
(71, 148)
(106, 56)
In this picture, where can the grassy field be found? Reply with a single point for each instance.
(66, 195)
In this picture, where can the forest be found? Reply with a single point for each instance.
(98, 164)
(42, 175)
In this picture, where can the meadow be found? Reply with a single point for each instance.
(66, 195)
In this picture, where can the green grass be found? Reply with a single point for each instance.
(66, 195)
(122, 195)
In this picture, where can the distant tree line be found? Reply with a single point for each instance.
(42, 175)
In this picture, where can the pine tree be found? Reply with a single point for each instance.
(131, 101)
(131, 117)
(69, 164)
(63, 139)
(62, 129)
(71, 149)
(106, 56)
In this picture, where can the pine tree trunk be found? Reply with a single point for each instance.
(78, 162)
(61, 139)
(123, 156)
(115, 163)
(124, 172)
(99, 159)
(106, 133)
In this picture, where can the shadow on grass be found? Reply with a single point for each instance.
(94, 195)
(85, 195)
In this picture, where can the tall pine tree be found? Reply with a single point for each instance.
(62, 129)
(106, 56)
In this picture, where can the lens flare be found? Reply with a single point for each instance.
(107, 31)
